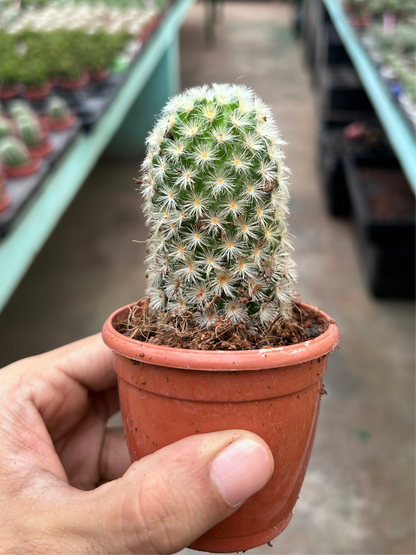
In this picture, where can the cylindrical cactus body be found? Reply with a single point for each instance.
(13, 152)
(6, 128)
(29, 130)
(216, 194)
(57, 108)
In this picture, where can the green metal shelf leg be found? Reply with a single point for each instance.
(128, 142)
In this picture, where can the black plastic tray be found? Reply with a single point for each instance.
(22, 189)
(387, 245)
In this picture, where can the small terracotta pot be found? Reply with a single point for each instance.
(38, 93)
(6, 93)
(99, 75)
(41, 151)
(75, 84)
(61, 124)
(25, 169)
(355, 131)
(167, 394)
(360, 21)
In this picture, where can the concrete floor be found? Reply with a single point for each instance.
(358, 494)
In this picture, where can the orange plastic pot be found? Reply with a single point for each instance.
(167, 394)
(99, 75)
(61, 124)
(32, 166)
(38, 93)
(75, 84)
(41, 151)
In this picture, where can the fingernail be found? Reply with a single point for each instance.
(240, 470)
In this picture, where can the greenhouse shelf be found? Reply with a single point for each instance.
(160, 56)
(400, 134)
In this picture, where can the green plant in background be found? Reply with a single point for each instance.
(13, 152)
(6, 128)
(216, 194)
(57, 108)
(8, 60)
(96, 51)
(29, 130)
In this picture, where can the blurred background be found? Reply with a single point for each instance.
(80, 83)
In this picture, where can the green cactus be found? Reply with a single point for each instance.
(13, 152)
(5, 127)
(57, 108)
(19, 108)
(216, 194)
(29, 130)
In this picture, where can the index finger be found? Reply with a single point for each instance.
(88, 361)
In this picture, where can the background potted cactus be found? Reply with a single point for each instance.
(16, 158)
(221, 340)
(34, 136)
(58, 114)
(6, 127)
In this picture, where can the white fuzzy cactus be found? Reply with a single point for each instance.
(216, 195)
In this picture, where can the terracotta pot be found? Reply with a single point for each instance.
(363, 20)
(75, 84)
(167, 394)
(99, 75)
(38, 93)
(61, 124)
(6, 93)
(41, 151)
(25, 169)
(355, 131)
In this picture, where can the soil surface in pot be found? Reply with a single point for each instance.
(388, 192)
(182, 331)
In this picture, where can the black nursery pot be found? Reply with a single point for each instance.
(384, 223)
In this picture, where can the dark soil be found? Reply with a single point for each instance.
(181, 331)
(388, 193)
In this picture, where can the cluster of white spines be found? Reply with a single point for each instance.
(215, 190)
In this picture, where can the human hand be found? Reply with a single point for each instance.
(55, 451)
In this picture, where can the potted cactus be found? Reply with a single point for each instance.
(221, 340)
(58, 114)
(16, 158)
(34, 136)
(6, 127)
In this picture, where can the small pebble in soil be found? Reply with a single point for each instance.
(313, 331)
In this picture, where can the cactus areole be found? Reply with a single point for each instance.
(216, 197)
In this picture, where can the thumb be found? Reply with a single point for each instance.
(168, 499)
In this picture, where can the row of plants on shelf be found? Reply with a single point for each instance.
(24, 134)
(36, 60)
(363, 11)
(388, 32)
(119, 4)
(394, 51)
(132, 20)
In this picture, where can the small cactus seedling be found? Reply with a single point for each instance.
(57, 108)
(215, 189)
(19, 108)
(30, 131)
(6, 128)
(13, 152)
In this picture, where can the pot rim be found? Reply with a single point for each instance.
(192, 359)
(23, 170)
